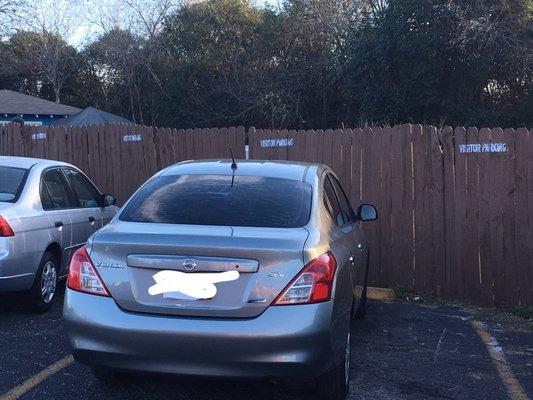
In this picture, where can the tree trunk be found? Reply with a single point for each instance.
(57, 93)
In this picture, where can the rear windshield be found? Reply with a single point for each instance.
(214, 200)
(11, 180)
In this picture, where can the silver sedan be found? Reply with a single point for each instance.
(219, 268)
(48, 209)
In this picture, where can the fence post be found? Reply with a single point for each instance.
(250, 132)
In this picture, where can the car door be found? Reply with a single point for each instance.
(87, 215)
(341, 235)
(358, 250)
(57, 200)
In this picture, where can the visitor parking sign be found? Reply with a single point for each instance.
(483, 148)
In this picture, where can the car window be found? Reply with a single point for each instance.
(46, 201)
(11, 182)
(343, 200)
(220, 200)
(331, 203)
(88, 195)
(55, 192)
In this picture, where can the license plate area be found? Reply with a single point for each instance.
(189, 286)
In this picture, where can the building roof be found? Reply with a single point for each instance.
(17, 103)
(92, 116)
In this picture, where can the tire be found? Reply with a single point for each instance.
(44, 290)
(335, 384)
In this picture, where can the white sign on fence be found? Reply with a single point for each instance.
(132, 138)
(483, 148)
(277, 142)
(38, 136)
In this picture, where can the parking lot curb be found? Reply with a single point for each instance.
(376, 293)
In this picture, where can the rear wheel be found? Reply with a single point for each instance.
(335, 384)
(43, 291)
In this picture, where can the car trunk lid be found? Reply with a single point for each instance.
(245, 267)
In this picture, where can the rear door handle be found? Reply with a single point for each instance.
(91, 220)
(351, 259)
(58, 224)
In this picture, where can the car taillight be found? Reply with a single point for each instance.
(313, 284)
(82, 275)
(5, 229)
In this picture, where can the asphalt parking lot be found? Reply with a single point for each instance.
(400, 351)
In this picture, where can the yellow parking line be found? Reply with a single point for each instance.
(30, 383)
(515, 389)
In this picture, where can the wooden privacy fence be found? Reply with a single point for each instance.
(454, 204)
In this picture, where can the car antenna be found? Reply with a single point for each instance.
(233, 167)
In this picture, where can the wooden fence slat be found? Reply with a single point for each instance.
(529, 207)
(470, 247)
(423, 246)
(327, 149)
(319, 150)
(437, 199)
(336, 152)
(372, 193)
(180, 148)
(386, 261)
(460, 213)
(294, 146)
(240, 140)
(300, 143)
(407, 255)
(310, 145)
(485, 259)
(496, 223)
(447, 143)
(189, 144)
(507, 160)
(357, 150)
(346, 161)
(397, 274)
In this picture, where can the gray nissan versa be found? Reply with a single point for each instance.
(218, 268)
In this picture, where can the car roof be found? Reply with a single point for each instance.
(274, 169)
(27, 162)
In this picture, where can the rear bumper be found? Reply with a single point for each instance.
(287, 341)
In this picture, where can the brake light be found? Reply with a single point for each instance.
(313, 284)
(5, 229)
(82, 275)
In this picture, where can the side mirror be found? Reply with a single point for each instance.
(367, 212)
(109, 200)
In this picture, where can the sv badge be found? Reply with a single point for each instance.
(274, 274)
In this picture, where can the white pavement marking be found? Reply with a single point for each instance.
(437, 349)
